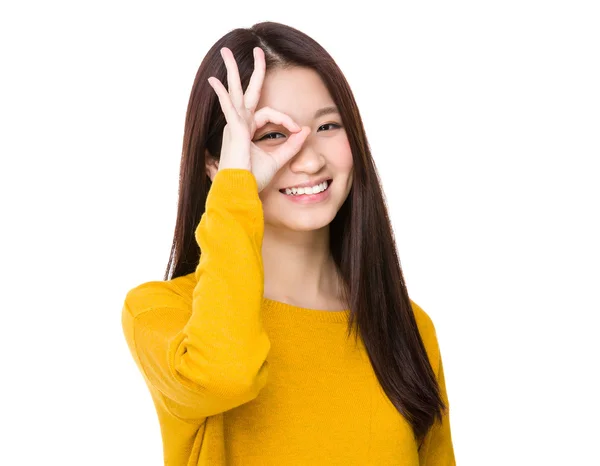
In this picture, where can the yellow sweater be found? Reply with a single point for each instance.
(239, 379)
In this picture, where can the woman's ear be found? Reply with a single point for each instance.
(212, 165)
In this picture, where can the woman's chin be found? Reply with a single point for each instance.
(300, 221)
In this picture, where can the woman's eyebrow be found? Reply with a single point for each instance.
(326, 111)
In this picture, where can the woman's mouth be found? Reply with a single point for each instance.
(309, 198)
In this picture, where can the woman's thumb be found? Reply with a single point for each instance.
(292, 145)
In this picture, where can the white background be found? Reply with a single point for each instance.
(484, 121)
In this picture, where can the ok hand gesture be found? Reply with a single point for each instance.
(238, 150)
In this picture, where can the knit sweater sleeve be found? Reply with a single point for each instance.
(212, 357)
(436, 449)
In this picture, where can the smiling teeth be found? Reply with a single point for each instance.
(309, 190)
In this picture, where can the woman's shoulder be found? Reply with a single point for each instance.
(428, 333)
(155, 294)
(424, 322)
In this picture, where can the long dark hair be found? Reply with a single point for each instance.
(362, 241)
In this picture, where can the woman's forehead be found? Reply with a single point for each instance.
(298, 92)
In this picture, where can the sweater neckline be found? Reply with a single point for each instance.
(278, 309)
(285, 310)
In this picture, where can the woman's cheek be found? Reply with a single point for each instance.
(345, 152)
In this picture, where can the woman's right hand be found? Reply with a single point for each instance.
(238, 150)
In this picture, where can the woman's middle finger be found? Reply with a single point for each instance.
(233, 78)
(252, 95)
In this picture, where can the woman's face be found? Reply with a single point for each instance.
(300, 93)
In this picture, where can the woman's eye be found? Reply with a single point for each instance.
(268, 136)
(330, 124)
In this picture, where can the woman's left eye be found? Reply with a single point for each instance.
(330, 124)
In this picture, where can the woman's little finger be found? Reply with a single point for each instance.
(226, 105)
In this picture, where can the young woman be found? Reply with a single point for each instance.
(283, 251)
